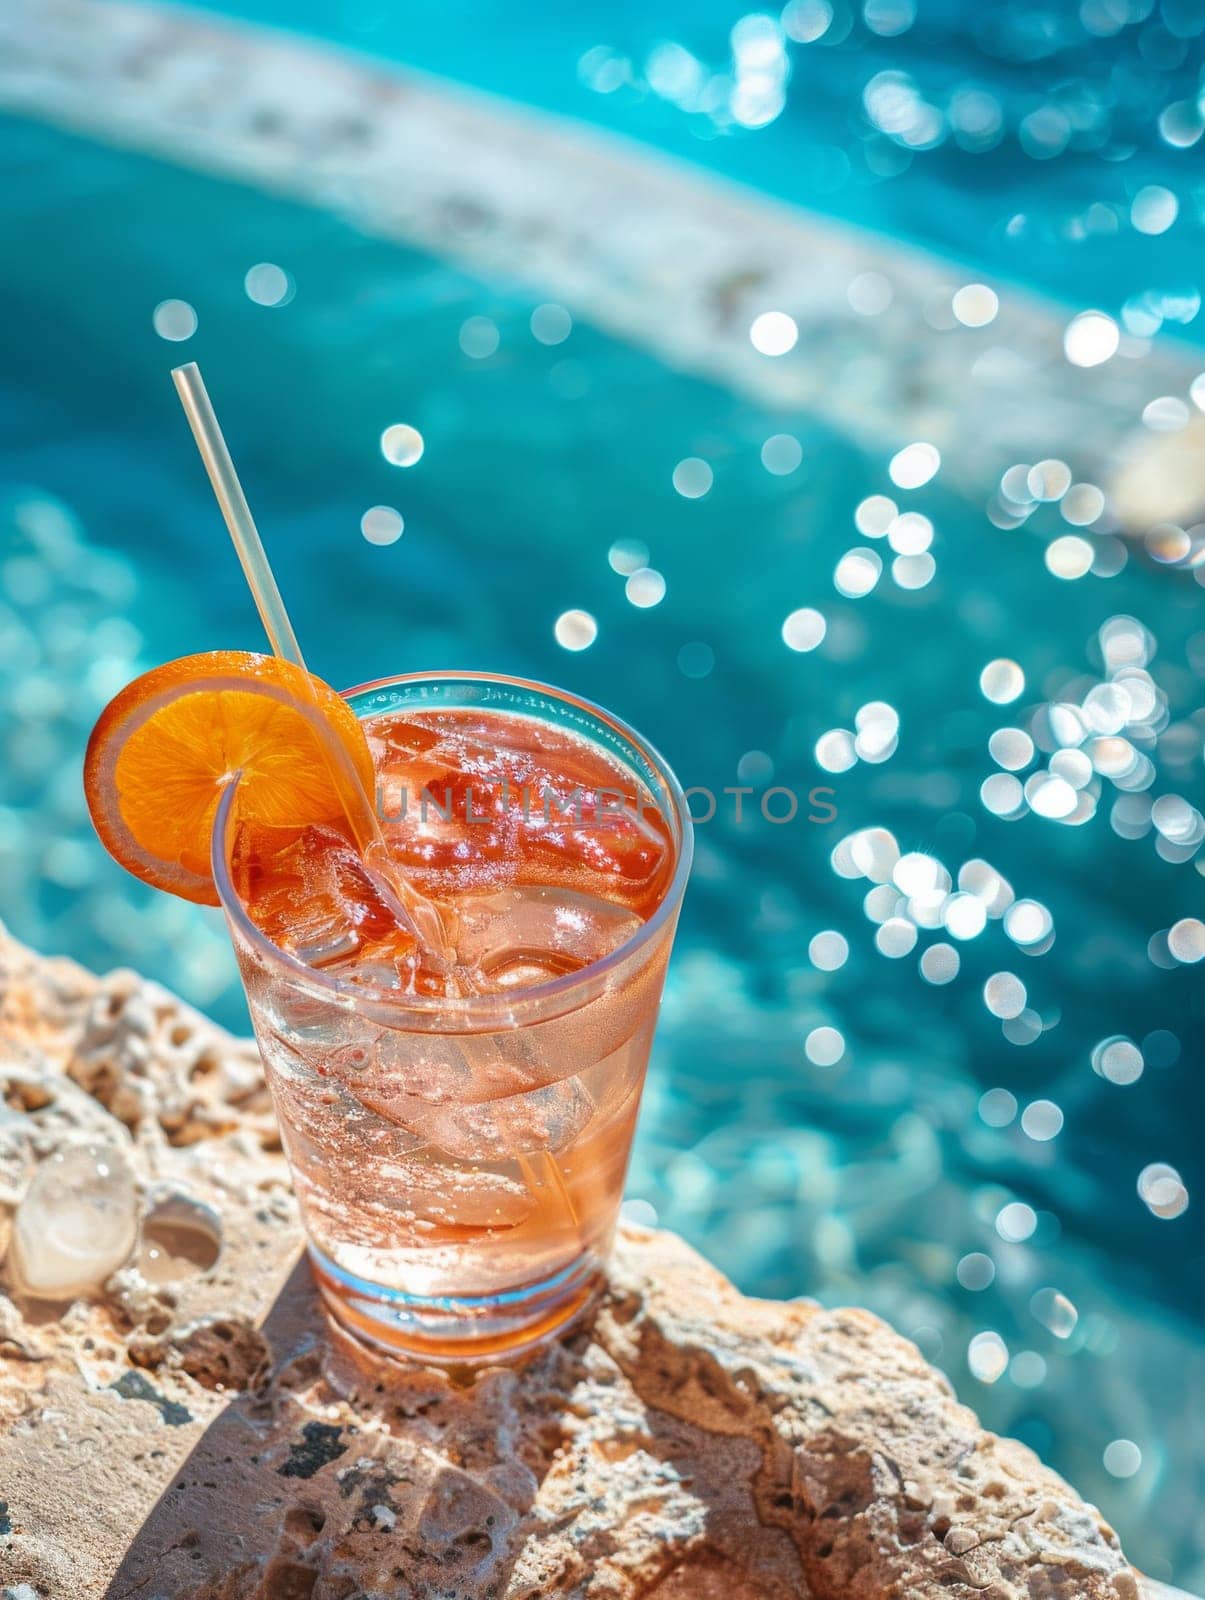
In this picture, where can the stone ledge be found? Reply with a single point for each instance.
(204, 1439)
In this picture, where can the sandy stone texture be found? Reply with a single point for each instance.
(208, 1438)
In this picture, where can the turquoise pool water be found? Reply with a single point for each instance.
(977, 185)
(822, 1117)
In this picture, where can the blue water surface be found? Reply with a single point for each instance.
(1008, 195)
(859, 1164)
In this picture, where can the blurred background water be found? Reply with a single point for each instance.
(941, 1056)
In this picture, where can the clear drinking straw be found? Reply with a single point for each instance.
(361, 814)
(206, 430)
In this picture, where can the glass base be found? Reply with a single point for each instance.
(454, 1330)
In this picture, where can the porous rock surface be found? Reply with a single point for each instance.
(209, 1439)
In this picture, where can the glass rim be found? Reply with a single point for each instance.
(500, 1010)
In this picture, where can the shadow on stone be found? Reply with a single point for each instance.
(334, 1474)
(229, 1503)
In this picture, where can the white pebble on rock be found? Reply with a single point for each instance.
(77, 1223)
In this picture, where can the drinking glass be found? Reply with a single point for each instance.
(459, 1163)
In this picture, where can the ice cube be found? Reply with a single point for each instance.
(374, 972)
(604, 844)
(512, 801)
(403, 1078)
(548, 1118)
(77, 1222)
(323, 945)
(426, 1193)
(516, 937)
(477, 1098)
(315, 896)
(416, 971)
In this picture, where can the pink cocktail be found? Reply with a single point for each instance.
(459, 1119)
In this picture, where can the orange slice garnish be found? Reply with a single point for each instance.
(167, 746)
